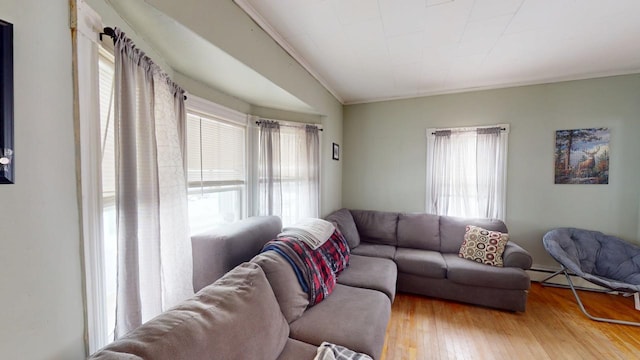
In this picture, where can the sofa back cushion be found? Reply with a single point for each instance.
(344, 222)
(419, 231)
(217, 251)
(292, 299)
(376, 227)
(452, 230)
(237, 317)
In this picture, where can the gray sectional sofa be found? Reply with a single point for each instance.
(257, 309)
(425, 248)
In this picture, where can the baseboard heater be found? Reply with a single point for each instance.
(538, 274)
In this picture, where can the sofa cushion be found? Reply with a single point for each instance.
(292, 299)
(217, 251)
(452, 231)
(375, 250)
(483, 246)
(421, 262)
(344, 222)
(352, 317)
(216, 321)
(506, 299)
(419, 231)
(378, 227)
(298, 350)
(467, 272)
(371, 273)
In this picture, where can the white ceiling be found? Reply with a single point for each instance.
(368, 50)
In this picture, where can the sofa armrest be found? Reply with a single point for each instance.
(516, 256)
(217, 251)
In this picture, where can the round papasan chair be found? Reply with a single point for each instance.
(598, 258)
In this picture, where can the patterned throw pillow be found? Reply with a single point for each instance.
(483, 246)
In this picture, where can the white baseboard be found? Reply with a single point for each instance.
(539, 273)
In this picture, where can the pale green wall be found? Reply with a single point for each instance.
(385, 154)
(41, 314)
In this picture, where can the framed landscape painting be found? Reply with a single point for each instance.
(582, 156)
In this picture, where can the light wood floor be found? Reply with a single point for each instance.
(552, 328)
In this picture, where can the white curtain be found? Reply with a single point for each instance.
(289, 171)
(491, 169)
(312, 143)
(88, 25)
(154, 249)
(269, 171)
(466, 172)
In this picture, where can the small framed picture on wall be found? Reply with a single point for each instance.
(336, 151)
(7, 167)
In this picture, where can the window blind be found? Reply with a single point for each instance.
(216, 152)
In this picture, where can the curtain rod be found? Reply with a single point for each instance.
(109, 32)
(287, 125)
(112, 34)
(453, 130)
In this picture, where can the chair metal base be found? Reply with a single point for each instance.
(584, 311)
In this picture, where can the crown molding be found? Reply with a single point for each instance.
(498, 86)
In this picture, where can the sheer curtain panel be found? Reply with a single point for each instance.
(86, 24)
(466, 171)
(491, 169)
(269, 171)
(154, 248)
(312, 143)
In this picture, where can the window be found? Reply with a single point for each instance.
(287, 171)
(216, 163)
(466, 171)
